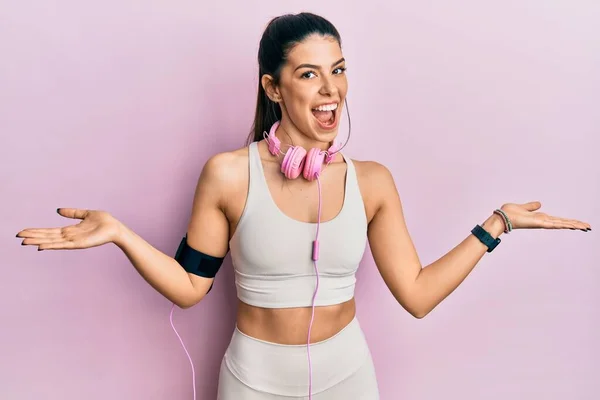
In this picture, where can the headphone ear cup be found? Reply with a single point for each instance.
(313, 164)
(293, 162)
(273, 142)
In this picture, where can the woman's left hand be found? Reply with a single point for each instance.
(523, 216)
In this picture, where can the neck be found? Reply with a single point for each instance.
(290, 135)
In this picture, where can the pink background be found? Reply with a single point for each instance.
(116, 105)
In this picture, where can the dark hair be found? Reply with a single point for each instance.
(280, 36)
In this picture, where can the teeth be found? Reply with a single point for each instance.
(329, 107)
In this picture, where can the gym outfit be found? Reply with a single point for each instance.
(271, 256)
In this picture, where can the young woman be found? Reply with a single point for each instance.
(296, 241)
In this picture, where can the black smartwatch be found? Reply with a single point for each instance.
(485, 238)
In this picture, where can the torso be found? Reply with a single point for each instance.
(298, 199)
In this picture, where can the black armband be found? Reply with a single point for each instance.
(196, 262)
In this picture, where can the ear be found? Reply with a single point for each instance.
(270, 89)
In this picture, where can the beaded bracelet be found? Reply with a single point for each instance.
(507, 224)
(504, 220)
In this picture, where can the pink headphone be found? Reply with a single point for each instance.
(296, 160)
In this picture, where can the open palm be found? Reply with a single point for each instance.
(524, 216)
(95, 229)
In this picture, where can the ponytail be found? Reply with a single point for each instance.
(267, 113)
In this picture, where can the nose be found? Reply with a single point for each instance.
(327, 87)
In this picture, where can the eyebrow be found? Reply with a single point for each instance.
(317, 67)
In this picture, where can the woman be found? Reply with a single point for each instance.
(296, 331)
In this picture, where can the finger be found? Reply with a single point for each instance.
(569, 225)
(40, 240)
(576, 224)
(532, 205)
(585, 225)
(556, 223)
(61, 245)
(565, 225)
(46, 232)
(39, 232)
(72, 212)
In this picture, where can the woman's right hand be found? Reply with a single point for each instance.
(95, 229)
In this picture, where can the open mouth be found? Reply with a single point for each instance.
(326, 115)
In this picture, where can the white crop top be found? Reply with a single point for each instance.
(272, 252)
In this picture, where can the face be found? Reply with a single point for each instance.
(311, 90)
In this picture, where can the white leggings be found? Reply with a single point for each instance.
(342, 368)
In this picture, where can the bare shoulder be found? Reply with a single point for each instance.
(227, 167)
(372, 170)
(376, 184)
(224, 173)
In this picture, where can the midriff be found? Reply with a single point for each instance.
(290, 325)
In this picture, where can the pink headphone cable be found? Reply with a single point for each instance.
(315, 257)
(186, 352)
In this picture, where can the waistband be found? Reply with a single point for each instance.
(282, 369)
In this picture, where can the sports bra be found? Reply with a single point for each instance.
(271, 252)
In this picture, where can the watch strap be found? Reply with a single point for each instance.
(485, 238)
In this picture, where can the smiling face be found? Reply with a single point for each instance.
(311, 91)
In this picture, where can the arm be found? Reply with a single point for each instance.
(208, 232)
(419, 290)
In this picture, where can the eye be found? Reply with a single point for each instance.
(305, 75)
